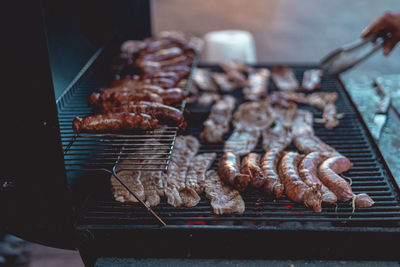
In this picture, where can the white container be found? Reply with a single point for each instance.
(229, 45)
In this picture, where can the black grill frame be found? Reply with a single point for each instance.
(101, 219)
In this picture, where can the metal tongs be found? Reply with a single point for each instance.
(349, 55)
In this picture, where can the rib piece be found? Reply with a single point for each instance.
(131, 179)
(229, 171)
(174, 180)
(308, 171)
(312, 80)
(251, 166)
(304, 138)
(280, 135)
(224, 199)
(197, 170)
(328, 173)
(223, 82)
(295, 188)
(114, 122)
(242, 141)
(253, 115)
(257, 85)
(284, 78)
(269, 164)
(202, 79)
(217, 123)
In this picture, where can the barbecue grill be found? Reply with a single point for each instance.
(68, 203)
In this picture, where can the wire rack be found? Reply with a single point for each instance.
(111, 153)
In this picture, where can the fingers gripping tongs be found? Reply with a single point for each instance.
(351, 54)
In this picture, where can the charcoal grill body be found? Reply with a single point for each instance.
(44, 202)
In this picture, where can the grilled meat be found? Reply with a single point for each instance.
(229, 171)
(114, 122)
(312, 80)
(217, 123)
(242, 141)
(224, 199)
(295, 188)
(308, 171)
(269, 164)
(202, 79)
(257, 85)
(328, 173)
(223, 82)
(284, 78)
(251, 166)
(196, 173)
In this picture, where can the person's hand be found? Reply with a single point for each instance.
(389, 22)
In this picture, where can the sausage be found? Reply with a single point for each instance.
(329, 171)
(269, 165)
(228, 170)
(295, 188)
(114, 122)
(308, 171)
(251, 166)
(163, 113)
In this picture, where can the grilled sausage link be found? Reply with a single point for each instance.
(308, 171)
(114, 122)
(295, 188)
(251, 166)
(168, 96)
(329, 171)
(228, 171)
(163, 113)
(269, 165)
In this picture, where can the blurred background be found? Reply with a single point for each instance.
(284, 31)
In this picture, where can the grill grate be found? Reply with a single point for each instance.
(91, 152)
(350, 138)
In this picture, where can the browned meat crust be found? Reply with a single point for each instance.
(284, 78)
(217, 123)
(165, 114)
(257, 85)
(269, 165)
(229, 172)
(308, 171)
(196, 173)
(295, 188)
(251, 166)
(114, 122)
(312, 80)
(224, 199)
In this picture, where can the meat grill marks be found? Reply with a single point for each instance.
(328, 173)
(229, 171)
(311, 80)
(114, 122)
(269, 164)
(324, 101)
(165, 114)
(217, 123)
(196, 173)
(224, 199)
(203, 80)
(284, 78)
(175, 179)
(257, 85)
(308, 171)
(295, 188)
(280, 134)
(304, 138)
(250, 119)
(223, 82)
(250, 165)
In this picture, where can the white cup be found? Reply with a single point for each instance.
(229, 45)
